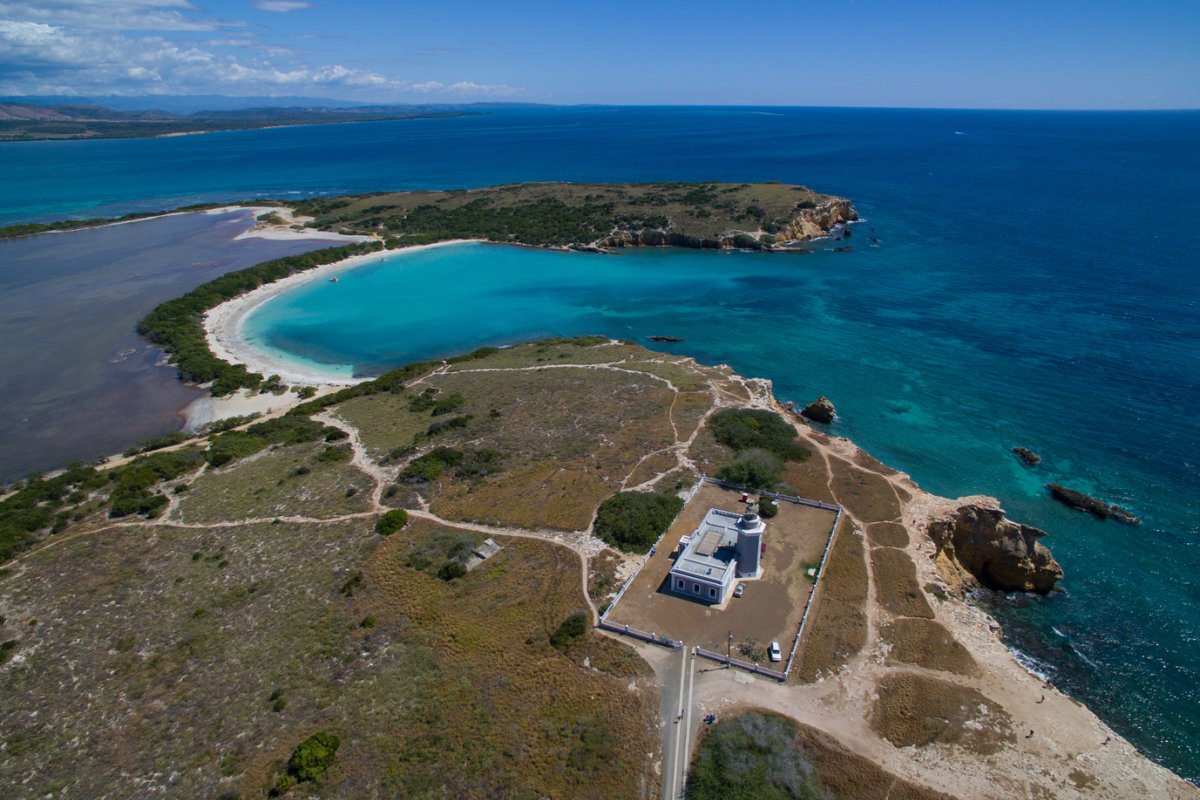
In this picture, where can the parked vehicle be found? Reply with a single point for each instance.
(740, 590)
(774, 652)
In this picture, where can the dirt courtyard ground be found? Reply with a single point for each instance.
(772, 605)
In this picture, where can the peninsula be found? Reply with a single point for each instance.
(445, 580)
(393, 589)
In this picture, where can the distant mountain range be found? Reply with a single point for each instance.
(30, 118)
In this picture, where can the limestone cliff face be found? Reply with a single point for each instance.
(978, 545)
(653, 237)
(813, 222)
(809, 223)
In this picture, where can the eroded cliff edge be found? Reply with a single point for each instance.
(978, 546)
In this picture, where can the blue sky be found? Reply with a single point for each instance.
(1016, 54)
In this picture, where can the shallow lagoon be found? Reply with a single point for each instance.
(76, 381)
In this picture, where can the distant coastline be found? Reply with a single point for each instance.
(21, 122)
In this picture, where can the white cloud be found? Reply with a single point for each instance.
(135, 47)
(129, 15)
(463, 87)
(282, 6)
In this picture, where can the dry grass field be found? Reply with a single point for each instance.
(192, 661)
(188, 655)
(837, 629)
(287, 481)
(918, 710)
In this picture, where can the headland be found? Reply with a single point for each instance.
(250, 577)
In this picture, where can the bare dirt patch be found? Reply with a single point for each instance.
(915, 710)
(926, 643)
(896, 587)
(603, 573)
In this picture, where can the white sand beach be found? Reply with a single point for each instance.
(224, 324)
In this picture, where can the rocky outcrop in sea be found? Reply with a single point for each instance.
(1097, 508)
(1028, 456)
(820, 410)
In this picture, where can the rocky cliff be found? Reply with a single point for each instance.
(809, 223)
(813, 222)
(978, 545)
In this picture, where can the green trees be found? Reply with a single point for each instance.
(743, 429)
(391, 522)
(761, 441)
(633, 521)
(570, 629)
(754, 468)
(309, 761)
(752, 756)
(177, 327)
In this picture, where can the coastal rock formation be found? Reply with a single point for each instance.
(809, 223)
(819, 221)
(1097, 508)
(993, 551)
(1028, 456)
(820, 410)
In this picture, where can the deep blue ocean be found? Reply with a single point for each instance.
(1037, 283)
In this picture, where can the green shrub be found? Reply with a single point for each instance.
(743, 429)
(447, 404)
(311, 758)
(435, 551)
(355, 582)
(441, 426)
(570, 629)
(391, 522)
(752, 756)
(753, 469)
(430, 466)
(333, 455)
(480, 463)
(767, 507)
(451, 570)
(633, 521)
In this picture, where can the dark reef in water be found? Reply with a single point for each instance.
(1095, 507)
(1028, 456)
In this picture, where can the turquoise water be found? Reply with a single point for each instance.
(1036, 285)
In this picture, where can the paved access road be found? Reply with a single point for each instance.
(679, 721)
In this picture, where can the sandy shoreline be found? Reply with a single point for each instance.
(223, 325)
